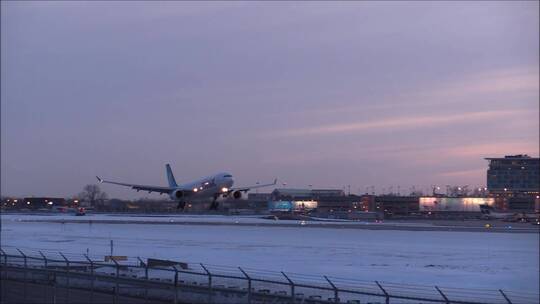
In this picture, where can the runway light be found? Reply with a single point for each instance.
(49, 203)
(28, 203)
(195, 189)
(224, 189)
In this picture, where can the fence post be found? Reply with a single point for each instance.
(443, 295)
(117, 286)
(93, 278)
(67, 277)
(5, 261)
(209, 283)
(293, 297)
(336, 298)
(5, 256)
(145, 267)
(505, 297)
(386, 295)
(44, 259)
(25, 276)
(54, 287)
(46, 269)
(249, 284)
(24, 256)
(146, 277)
(175, 284)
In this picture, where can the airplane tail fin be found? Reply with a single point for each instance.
(170, 177)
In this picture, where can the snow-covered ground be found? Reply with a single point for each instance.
(259, 220)
(454, 259)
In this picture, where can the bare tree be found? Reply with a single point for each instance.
(92, 194)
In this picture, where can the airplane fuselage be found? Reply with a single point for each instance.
(204, 188)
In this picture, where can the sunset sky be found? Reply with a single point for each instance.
(322, 93)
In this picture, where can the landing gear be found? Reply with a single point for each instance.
(181, 205)
(214, 205)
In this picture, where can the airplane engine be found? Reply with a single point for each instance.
(177, 195)
(238, 195)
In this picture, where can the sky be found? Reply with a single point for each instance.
(327, 94)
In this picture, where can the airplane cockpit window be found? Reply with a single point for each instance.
(227, 175)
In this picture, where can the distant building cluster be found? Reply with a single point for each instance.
(34, 203)
(513, 184)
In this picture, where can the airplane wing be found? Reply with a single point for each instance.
(139, 187)
(245, 189)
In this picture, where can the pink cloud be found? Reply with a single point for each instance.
(400, 122)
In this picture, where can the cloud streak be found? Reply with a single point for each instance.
(393, 123)
(510, 80)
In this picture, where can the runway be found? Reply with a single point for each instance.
(259, 221)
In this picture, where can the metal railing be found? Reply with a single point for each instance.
(83, 278)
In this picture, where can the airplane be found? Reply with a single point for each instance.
(213, 187)
(489, 213)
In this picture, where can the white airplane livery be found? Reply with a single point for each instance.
(208, 188)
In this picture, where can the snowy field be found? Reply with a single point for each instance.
(453, 259)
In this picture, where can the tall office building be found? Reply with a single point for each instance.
(514, 175)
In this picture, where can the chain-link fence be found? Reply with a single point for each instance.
(37, 277)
